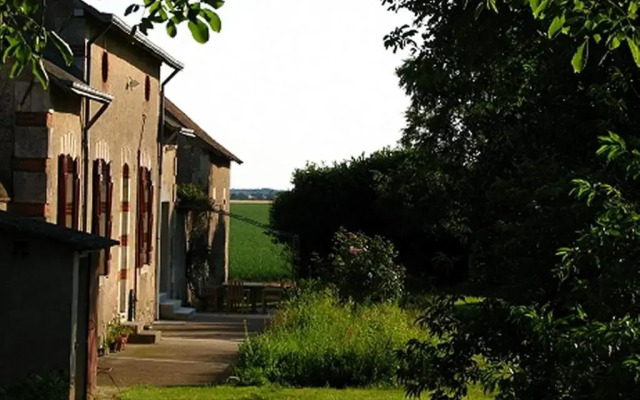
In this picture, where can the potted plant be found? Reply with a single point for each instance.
(101, 347)
(123, 333)
(113, 335)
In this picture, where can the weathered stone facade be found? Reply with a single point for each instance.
(102, 113)
(203, 161)
(37, 126)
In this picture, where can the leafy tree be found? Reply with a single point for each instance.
(582, 344)
(24, 36)
(580, 341)
(382, 194)
(492, 98)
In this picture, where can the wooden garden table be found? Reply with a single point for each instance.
(256, 291)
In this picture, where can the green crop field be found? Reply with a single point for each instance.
(253, 256)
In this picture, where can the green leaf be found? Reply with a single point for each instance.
(23, 53)
(632, 11)
(614, 43)
(154, 8)
(172, 31)
(62, 47)
(479, 10)
(131, 9)
(213, 19)
(540, 8)
(635, 50)
(199, 30)
(214, 3)
(492, 4)
(38, 70)
(16, 69)
(556, 25)
(579, 59)
(29, 7)
(534, 5)
(10, 51)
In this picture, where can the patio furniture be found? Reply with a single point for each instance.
(212, 295)
(236, 295)
(271, 293)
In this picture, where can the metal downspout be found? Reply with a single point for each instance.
(85, 132)
(159, 205)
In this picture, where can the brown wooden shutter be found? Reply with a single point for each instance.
(95, 221)
(109, 216)
(62, 192)
(75, 206)
(140, 219)
(150, 219)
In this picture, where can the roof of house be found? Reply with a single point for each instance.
(70, 83)
(77, 240)
(171, 108)
(138, 38)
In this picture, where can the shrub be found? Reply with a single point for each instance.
(51, 385)
(316, 340)
(191, 191)
(363, 268)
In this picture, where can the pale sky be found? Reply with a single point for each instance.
(289, 81)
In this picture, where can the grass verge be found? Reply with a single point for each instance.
(267, 393)
(316, 341)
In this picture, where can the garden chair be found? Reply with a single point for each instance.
(272, 294)
(211, 295)
(236, 295)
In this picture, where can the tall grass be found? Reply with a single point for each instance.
(314, 340)
(253, 255)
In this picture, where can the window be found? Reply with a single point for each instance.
(105, 66)
(68, 191)
(102, 208)
(147, 88)
(124, 240)
(144, 218)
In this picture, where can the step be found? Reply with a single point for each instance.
(145, 337)
(167, 309)
(162, 297)
(184, 313)
(176, 303)
(136, 326)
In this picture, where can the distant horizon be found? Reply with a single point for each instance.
(259, 188)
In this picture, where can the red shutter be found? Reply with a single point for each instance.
(62, 186)
(109, 216)
(150, 220)
(140, 219)
(75, 205)
(95, 194)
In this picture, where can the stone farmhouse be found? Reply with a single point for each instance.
(102, 151)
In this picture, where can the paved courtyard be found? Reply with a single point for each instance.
(197, 352)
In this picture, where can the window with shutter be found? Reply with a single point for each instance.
(68, 191)
(144, 218)
(102, 195)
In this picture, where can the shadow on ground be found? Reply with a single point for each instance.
(190, 353)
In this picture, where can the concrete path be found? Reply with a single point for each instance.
(197, 352)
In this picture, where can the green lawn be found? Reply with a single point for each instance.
(267, 393)
(252, 254)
